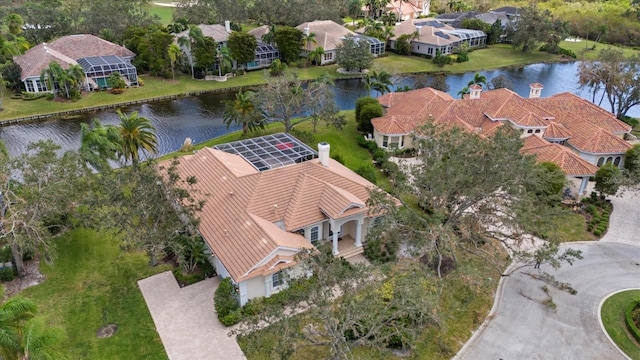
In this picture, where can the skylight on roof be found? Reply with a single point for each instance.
(270, 151)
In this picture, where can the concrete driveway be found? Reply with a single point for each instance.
(186, 320)
(521, 327)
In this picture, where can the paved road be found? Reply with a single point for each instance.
(186, 320)
(521, 327)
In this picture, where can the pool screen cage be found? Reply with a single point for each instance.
(99, 68)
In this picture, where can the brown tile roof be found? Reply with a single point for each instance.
(403, 7)
(328, 33)
(570, 163)
(38, 58)
(248, 214)
(556, 131)
(86, 45)
(259, 32)
(598, 141)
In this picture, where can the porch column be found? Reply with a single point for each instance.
(359, 224)
(334, 239)
(267, 286)
(583, 185)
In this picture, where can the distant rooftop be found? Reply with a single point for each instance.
(270, 151)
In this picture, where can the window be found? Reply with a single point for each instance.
(385, 141)
(537, 131)
(616, 162)
(29, 86)
(314, 234)
(600, 161)
(529, 131)
(276, 279)
(328, 56)
(609, 160)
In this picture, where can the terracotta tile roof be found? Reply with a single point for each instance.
(402, 7)
(569, 162)
(247, 213)
(86, 45)
(598, 141)
(328, 33)
(38, 58)
(556, 131)
(216, 31)
(566, 103)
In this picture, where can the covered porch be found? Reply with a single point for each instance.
(347, 247)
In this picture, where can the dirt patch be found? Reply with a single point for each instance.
(33, 277)
(107, 331)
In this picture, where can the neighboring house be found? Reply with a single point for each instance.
(265, 53)
(99, 59)
(329, 35)
(267, 199)
(428, 36)
(405, 10)
(590, 132)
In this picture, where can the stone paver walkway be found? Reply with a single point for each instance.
(186, 320)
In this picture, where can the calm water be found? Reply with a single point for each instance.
(200, 117)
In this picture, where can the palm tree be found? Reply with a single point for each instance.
(13, 315)
(354, 10)
(478, 80)
(387, 33)
(174, 53)
(316, 55)
(137, 134)
(194, 38)
(99, 144)
(224, 59)
(382, 81)
(243, 111)
(53, 76)
(463, 92)
(269, 36)
(76, 76)
(308, 40)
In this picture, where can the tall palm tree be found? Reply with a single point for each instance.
(269, 36)
(478, 80)
(174, 54)
(99, 144)
(463, 92)
(243, 111)
(55, 75)
(387, 33)
(13, 315)
(137, 134)
(382, 83)
(76, 76)
(195, 38)
(308, 40)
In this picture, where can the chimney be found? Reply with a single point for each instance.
(323, 153)
(535, 90)
(306, 31)
(474, 91)
(227, 26)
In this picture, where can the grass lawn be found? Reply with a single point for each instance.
(612, 315)
(94, 283)
(165, 13)
(579, 49)
(571, 227)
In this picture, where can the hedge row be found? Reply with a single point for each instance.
(628, 317)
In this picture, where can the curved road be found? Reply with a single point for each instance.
(521, 327)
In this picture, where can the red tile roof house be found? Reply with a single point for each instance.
(329, 35)
(98, 58)
(269, 197)
(585, 135)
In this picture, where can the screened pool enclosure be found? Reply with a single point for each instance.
(99, 68)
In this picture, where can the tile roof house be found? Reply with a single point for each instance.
(268, 198)
(592, 134)
(405, 10)
(428, 36)
(329, 35)
(98, 58)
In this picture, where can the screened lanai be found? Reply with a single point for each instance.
(265, 54)
(270, 151)
(375, 45)
(99, 68)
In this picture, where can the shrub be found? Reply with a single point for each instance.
(597, 232)
(367, 108)
(115, 81)
(231, 318)
(6, 273)
(442, 60)
(462, 58)
(304, 136)
(381, 247)
(632, 159)
(607, 179)
(140, 82)
(367, 172)
(362, 142)
(225, 299)
(380, 156)
(590, 227)
(591, 209)
(49, 96)
(447, 265)
(630, 320)
(277, 68)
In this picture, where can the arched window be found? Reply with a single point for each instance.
(616, 162)
(600, 161)
(609, 160)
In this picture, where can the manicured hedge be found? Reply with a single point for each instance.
(628, 317)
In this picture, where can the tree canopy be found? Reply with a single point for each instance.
(353, 54)
(242, 47)
(289, 41)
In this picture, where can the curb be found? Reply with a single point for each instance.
(492, 313)
(602, 325)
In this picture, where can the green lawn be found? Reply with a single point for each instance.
(579, 49)
(571, 227)
(165, 13)
(612, 314)
(94, 283)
